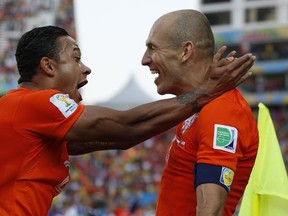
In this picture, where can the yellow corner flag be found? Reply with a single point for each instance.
(267, 191)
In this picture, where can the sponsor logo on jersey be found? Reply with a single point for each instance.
(225, 138)
(227, 176)
(65, 104)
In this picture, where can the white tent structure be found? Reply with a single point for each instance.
(130, 96)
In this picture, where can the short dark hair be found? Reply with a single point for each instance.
(34, 45)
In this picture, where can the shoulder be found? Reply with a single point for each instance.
(42, 96)
(43, 100)
(41, 93)
(228, 109)
(230, 102)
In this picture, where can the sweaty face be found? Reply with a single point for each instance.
(71, 72)
(163, 60)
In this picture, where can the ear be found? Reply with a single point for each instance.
(187, 50)
(47, 65)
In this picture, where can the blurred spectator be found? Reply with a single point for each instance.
(15, 18)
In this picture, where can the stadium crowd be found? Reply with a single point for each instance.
(116, 182)
(112, 182)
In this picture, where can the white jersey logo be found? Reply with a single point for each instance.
(225, 138)
(65, 104)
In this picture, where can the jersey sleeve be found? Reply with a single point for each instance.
(47, 113)
(218, 133)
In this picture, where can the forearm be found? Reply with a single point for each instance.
(154, 118)
(210, 199)
(166, 110)
(134, 125)
(79, 148)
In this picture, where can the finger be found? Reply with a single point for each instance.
(245, 77)
(235, 62)
(225, 61)
(232, 53)
(219, 53)
(246, 58)
(242, 73)
(230, 57)
(246, 66)
(237, 68)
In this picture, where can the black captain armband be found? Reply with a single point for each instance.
(207, 173)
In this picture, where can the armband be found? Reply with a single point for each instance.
(207, 173)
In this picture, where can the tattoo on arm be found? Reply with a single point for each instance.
(191, 98)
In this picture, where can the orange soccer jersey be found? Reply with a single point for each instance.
(33, 158)
(225, 134)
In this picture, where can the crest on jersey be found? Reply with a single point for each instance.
(225, 138)
(65, 104)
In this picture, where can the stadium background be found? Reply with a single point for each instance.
(126, 182)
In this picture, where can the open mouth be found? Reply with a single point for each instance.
(78, 98)
(80, 85)
(156, 73)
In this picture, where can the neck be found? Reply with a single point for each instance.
(38, 82)
(33, 85)
(195, 74)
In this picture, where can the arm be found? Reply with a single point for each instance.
(100, 128)
(210, 199)
(112, 128)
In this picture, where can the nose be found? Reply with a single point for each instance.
(86, 70)
(146, 60)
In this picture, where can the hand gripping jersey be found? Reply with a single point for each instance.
(224, 134)
(33, 158)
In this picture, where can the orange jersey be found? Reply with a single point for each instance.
(223, 133)
(33, 158)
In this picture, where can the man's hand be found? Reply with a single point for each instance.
(237, 72)
(225, 74)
